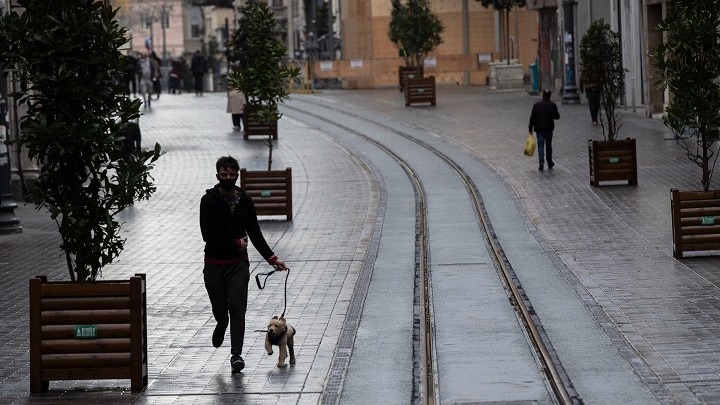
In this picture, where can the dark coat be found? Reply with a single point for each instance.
(133, 138)
(221, 228)
(198, 65)
(543, 116)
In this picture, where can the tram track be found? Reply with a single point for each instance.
(428, 390)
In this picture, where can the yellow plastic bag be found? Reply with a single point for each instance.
(530, 145)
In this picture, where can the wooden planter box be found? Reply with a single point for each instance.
(695, 221)
(251, 126)
(88, 331)
(405, 72)
(421, 90)
(271, 191)
(612, 161)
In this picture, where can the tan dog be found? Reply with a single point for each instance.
(280, 334)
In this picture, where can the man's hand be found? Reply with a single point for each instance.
(279, 265)
(242, 244)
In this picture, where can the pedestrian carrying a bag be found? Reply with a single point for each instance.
(530, 145)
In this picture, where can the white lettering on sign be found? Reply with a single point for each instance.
(356, 63)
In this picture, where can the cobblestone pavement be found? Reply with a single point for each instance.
(615, 240)
(335, 201)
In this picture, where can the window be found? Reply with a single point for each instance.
(195, 22)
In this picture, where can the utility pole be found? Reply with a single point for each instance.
(570, 94)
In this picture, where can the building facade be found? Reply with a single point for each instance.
(472, 37)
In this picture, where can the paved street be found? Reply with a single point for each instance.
(611, 244)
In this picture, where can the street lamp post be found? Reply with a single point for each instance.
(165, 19)
(570, 94)
(9, 223)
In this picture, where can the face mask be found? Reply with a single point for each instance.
(227, 184)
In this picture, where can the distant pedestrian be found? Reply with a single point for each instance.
(130, 74)
(174, 78)
(542, 121)
(132, 137)
(592, 91)
(235, 105)
(198, 66)
(147, 69)
(157, 85)
(227, 219)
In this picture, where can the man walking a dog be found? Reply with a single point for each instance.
(227, 219)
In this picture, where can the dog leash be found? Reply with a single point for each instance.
(268, 274)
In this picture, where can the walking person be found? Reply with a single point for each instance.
(174, 78)
(132, 137)
(130, 74)
(542, 121)
(227, 219)
(198, 66)
(147, 69)
(157, 85)
(592, 91)
(235, 105)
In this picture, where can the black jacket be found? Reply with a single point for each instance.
(221, 229)
(543, 116)
(198, 64)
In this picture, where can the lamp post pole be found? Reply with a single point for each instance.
(164, 24)
(9, 223)
(570, 94)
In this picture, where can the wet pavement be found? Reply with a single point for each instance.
(612, 244)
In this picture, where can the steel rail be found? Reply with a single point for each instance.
(559, 382)
(428, 390)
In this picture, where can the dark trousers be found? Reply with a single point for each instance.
(199, 84)
(130, 81)
(544, 143)
(594, 101)
(237, 119)
(227, 287)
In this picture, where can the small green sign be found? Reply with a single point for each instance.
(707, 220)
(614, 159)
(85, 331)
(421, 90)
(265, 193)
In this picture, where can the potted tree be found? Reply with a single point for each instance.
(416, 32)
(512, 73)
(601, 66)
(260, 71)
(65, 55)
(689, 65)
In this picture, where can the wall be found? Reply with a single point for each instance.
(364, 35)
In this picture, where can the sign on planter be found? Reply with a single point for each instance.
(85, 331)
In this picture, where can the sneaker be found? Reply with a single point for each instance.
(219, 334)
(541, 167)
(237, 363)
